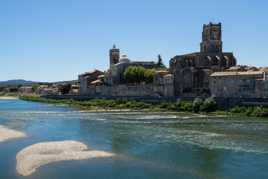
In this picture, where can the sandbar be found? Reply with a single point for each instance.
(37, 155)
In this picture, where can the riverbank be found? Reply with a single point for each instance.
(8, 97)
(198, 106)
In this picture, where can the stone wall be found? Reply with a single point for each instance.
(86, 78)
(239, 86)
(141, 90)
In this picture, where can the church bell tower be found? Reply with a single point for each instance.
(114, 56)
(211, 38)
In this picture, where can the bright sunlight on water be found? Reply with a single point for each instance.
(149, 146)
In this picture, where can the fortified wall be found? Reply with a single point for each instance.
(143, 90)
(210, 72)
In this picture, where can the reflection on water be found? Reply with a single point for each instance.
(148, 145)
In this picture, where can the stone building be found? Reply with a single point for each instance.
(47, 90)
(26, 89)
(118, 65)
(87, 79)
(191, 71)
(239, 84)
(112, 83)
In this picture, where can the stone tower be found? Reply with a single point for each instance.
(114, 56)
(211, 38)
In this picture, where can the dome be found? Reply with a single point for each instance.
(124, 59)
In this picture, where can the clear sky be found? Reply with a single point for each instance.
(52, 40)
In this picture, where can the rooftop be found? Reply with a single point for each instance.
(237, 73)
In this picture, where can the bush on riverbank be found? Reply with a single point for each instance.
(250, 111)
(197, 106)
(198, 102)
(181, 106)
(209, 105)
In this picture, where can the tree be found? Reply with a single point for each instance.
(149, 75)
(138, 74)
(35, 87)
(160, 63)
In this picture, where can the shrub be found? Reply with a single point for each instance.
(238, 109)
(260, 112)
(249, 111)
(198, 102)
(186, 106)
(209, 105)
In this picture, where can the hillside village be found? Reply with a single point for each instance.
(211, 72)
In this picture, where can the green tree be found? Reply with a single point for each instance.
(35, 87)
(149, 75)
(138, 74)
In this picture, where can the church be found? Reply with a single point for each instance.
(192, 71)
(188, 76)
(119, 63)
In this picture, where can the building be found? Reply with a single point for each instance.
(47, 90)
(113, 84)
(191, 71)
(211, 71)
(87, 79)
(118, 65)
(239, 84)
(26, 89)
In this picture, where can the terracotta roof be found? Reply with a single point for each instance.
(96, 82)
(91, 72)
(162, 72)
(264, 69)
(243, 68)
(101, 76)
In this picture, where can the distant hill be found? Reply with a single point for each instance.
(17, 82)
(26, 82)
(66, 82)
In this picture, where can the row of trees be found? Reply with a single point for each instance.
(138, 74)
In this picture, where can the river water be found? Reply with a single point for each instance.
(148, 145)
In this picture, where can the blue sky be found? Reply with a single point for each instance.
(52, 40)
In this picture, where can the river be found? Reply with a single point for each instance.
(147, 145)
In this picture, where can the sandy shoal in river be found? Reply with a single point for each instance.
(37, 155)
(8, 134)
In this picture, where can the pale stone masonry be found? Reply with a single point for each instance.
(191, 71)
(210, 72)
(112, 83)
(239, 84)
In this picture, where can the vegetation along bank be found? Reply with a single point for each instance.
(198, 106)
